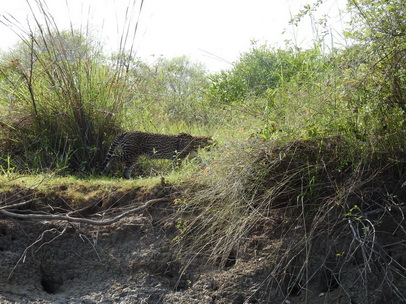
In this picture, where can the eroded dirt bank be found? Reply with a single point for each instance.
(135, 260)
(132, 261)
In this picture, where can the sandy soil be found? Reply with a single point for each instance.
(132, 261)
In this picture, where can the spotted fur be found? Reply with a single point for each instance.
(128, 146)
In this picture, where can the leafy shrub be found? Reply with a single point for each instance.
(264, 69)
(62, 97)
(169, 90)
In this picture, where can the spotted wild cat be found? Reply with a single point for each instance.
(128, 146)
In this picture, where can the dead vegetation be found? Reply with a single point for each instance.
(330, 216)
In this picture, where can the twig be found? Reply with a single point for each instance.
(382, 210)
(51, 217)
(16, 205)
(59, 235)
(39, 239)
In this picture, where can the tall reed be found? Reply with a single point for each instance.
(69, 94)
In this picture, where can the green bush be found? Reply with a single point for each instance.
(263, 69)
(63, 100)
(377, 80)
(170, 91)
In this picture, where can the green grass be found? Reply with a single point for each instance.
(48, 183)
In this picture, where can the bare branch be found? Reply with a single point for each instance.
(52, 217)
(39, 239)
(16, 205)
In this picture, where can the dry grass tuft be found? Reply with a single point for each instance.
(330, 213)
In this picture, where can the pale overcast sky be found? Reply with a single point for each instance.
(214, 32)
